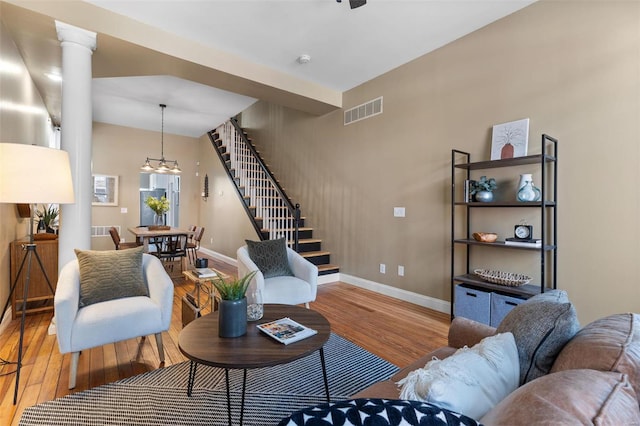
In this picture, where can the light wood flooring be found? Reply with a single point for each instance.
(394, 330)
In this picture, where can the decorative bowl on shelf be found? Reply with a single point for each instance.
(485, 237)
(510, 279)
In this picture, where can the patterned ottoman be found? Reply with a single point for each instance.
(376, 412)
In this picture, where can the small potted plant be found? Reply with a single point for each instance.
(48, 216)
(482, 189)
(232, 316)
(160, 207)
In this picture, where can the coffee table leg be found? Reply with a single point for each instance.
(324, 374)
(192, 377)
(226, 377)
(244, 386)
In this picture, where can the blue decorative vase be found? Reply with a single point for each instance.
(528, 192)
(484, 196)
(232, 318)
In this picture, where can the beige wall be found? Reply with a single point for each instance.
(120, 151)
(573, 68)
(29, 124)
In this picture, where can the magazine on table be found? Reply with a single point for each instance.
(285, 330)
(205, 272)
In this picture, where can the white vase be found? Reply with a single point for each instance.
(524, 178)
(526, 190)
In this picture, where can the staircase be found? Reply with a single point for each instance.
(271, 211)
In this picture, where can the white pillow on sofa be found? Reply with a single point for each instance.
(471, 381)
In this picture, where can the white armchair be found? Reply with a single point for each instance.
(301, 288)
(113, 320)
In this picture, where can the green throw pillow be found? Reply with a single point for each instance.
(270, 256)
(541, 326)
(111, 274)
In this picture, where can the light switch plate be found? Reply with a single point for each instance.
(398, 212)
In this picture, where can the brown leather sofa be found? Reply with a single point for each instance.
(595, 379)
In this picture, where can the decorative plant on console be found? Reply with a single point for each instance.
(232, 316)
(48, 216)
(482, 189)
(160, 207)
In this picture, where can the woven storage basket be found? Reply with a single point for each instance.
(510, 279)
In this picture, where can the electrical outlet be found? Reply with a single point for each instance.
(211, 240)
(123, 210)
(401, 270)
(383, 268)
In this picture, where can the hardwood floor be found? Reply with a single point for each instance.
(394, 330)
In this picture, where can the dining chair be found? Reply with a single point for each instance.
(115, 236)
(171, 250)
(193, 245)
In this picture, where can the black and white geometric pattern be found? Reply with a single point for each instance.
(376, 412)
(159, 397)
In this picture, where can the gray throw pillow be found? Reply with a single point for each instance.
(541, 327)
(110, 274)
(270, 256)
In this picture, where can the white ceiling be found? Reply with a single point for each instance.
(192, 108)
(347, 47)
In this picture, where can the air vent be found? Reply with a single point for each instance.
(366, 110)
(102, 231)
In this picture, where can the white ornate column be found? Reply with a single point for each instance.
(76, 129)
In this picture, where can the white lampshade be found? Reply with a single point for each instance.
(33, 174)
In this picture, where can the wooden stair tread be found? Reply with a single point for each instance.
(307, 240)
(314, 253)
(326, 267)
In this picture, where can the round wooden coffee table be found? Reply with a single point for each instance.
(199, 342)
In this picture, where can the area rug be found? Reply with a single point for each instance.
(159, 397)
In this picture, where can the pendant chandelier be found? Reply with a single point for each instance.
(162, 167)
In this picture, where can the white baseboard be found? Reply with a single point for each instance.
(387, 290)
(398, 293)
(218, 256)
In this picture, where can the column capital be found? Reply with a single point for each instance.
(76, 35)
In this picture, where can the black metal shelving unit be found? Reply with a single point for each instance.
(547, 161)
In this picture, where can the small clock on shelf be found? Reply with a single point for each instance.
(523, 237)
(523, 232)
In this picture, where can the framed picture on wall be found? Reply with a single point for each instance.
(509, 140)
(105, 190)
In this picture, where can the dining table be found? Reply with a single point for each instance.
(145, 233)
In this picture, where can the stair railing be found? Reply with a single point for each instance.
(280, 217)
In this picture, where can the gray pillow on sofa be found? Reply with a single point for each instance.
(110, 274)
(270, 256)
(541, 326)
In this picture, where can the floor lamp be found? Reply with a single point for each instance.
(31, 174)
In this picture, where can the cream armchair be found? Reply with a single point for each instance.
(301, 288)
(113, 320)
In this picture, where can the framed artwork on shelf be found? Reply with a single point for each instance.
(105, 190)
(509, 140)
